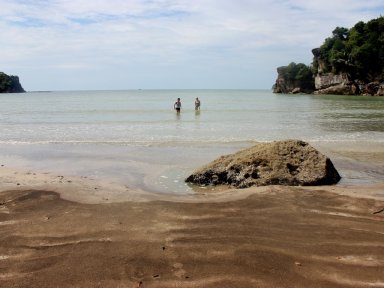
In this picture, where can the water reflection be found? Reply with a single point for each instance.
(349, 113)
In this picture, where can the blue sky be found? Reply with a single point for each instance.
(165, 44)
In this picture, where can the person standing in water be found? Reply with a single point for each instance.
(197, 104)
(177, 105)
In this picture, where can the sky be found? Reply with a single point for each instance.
(165, 44)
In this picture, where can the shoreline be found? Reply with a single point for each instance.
(361, 166)
(162, 169)
(87, 190)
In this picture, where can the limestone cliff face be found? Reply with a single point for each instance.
(284, 85)
(336, 84)
(330, 83)
(294, 78)
(329, 79)
(341, 83)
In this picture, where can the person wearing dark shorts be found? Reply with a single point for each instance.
(197, 104)
(177, 105)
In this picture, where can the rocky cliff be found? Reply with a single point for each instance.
(350, 62)
(294, 78)
(284, 85)
(342, 83)
(10, 84)
(322, 82)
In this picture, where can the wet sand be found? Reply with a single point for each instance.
(57, 231)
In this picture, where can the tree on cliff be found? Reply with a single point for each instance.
(349, 62)
(10, 84)
(332, 53)
(366, 49)
(358, 51)
(298, 73)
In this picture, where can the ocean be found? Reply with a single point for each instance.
(135, 137)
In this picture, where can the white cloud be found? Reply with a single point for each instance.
(207, 41)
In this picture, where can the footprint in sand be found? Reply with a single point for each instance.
(179, 272)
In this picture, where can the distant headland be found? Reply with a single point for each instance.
(351, 62)
(10, 84)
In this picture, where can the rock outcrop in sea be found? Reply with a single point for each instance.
(10, 84)
(289, 162)
(350, 62)
(294, 78)
(340, 83)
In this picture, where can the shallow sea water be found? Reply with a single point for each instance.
(136, 138)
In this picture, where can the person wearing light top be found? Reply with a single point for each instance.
(177, 105)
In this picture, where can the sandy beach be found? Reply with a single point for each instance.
(59, 231)
(111, 176)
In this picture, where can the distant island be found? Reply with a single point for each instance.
(10, 84)
(351, 62)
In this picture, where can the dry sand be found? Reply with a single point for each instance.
(57, 231)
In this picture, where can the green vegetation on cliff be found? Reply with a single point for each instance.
(10, 84)
(349, 62)
(297, 75)
(358, 51)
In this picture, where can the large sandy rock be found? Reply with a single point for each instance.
(290, 162)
